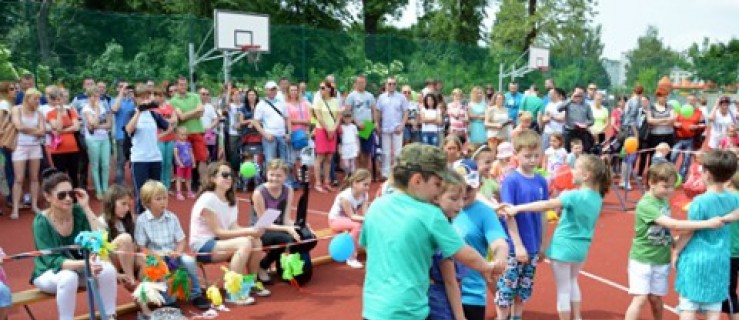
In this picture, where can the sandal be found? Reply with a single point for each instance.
(319, 188)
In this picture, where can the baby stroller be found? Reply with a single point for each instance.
(251, 150)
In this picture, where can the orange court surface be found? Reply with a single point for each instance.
(336, 289)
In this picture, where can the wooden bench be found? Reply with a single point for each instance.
(32, 296)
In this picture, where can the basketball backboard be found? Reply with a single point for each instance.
(233, 30)
(539, 58)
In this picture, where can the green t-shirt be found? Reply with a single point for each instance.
(532, 104)
(401, 235)
(187, 104)
(574, 233)
(734, 228)
(46, 237)
(652, 242)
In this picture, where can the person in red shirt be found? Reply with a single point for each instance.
(687, 129)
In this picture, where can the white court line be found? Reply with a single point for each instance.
(325, 213)
(616, 286)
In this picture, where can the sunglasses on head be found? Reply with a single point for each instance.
(61, 195)
(226, 175)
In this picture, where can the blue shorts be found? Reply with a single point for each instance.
(206, 248)
(368, 145)
(516, 281)
(688, 305)
(6, 299)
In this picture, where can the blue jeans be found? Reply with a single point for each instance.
(142, 172)
(9, 173)
(430, 138)
(278, 146)
(167, 150)
(682, 145)
(120, 162)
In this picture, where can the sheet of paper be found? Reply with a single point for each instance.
(269, 217)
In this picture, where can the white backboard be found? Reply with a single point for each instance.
(235, 29)
(538, 58)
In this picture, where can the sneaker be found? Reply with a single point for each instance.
(191, 195)
(354, 263)
(201, 303)
(260, 291)
(180, 196)
(243, 301)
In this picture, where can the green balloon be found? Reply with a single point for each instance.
(675, 105)
(687, 111)
(248, 169)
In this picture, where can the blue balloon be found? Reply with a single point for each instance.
(341, 247)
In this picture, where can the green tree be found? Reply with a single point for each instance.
(718, 62)
(454, 20)
(650, 52)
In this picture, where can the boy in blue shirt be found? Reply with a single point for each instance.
(525, 231)
(479, 227)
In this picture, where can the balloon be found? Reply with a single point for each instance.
(679, 181)
(687, 111)
(341, 247)
(631, 144)
(675, 104)
(248, 169)
(563, 179)
(622, 154)
(552, 215)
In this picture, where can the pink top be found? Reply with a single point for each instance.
(299, 111)
(729, 142)
(616, 114)
(166, 110)
(457, 112)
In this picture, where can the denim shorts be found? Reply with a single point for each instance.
(688, 305)
(206, 248)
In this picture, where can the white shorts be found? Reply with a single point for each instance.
(647, 279)
(23, 153)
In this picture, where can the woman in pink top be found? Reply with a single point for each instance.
(299, 115)
(457, 115)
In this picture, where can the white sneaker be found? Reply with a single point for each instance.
(354, 263)
(262, 292)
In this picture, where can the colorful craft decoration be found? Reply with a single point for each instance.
(149, 292)
(216, 300)
(238, 287)
(95, 242)
(179, 284)
(155, 269)
(291, 265)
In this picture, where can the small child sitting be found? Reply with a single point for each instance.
(661, 154)
(159, 231)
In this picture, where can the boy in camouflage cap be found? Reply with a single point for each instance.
(402, 231)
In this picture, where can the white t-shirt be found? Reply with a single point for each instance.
(118, 225)
(5, 106)
(233, 118)
(200, 232)
(209, 114)
(429, 114)
(553, 125)
(98, 134)
(336, 210)
(719, 126)
(272, 122)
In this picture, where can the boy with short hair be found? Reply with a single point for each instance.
(525, 231)
(159, 231)
(576, 152)
(649, 258)
(401, 233)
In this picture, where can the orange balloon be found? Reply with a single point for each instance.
(631, 144)
(563, 178)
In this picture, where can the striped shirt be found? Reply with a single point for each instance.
(158, 234)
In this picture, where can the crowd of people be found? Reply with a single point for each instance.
(471, 174)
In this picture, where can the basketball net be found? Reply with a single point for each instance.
(253, 55)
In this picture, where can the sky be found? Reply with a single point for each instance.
(680, 22)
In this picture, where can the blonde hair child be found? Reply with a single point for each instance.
(346, 213)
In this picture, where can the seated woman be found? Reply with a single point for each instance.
(118, 220)
(60, 272)
(214, 225)
(275, 195)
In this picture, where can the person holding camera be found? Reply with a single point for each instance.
(123, 109)
(146, 159)
(578, 118)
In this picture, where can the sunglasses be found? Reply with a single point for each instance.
(592, 88)
(226, 175)
(61, 195)
(323, 88)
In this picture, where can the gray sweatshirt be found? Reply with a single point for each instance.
(577, 112)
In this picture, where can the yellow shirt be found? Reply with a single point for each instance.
(327, 110)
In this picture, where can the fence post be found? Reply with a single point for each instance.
(303, 54)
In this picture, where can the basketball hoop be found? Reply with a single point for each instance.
(253, 55)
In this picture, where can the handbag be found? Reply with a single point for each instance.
(299, 139)
(81, 144)
(9, 140)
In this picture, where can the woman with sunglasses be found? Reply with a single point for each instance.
(214, 229)
(59, 272)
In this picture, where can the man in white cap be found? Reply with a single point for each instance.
(271, 121)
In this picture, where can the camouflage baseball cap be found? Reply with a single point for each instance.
(424, 158)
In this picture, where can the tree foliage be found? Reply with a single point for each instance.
(718, 62)
(650, 58)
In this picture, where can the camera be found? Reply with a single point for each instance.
(148, 105)
(130, 87)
